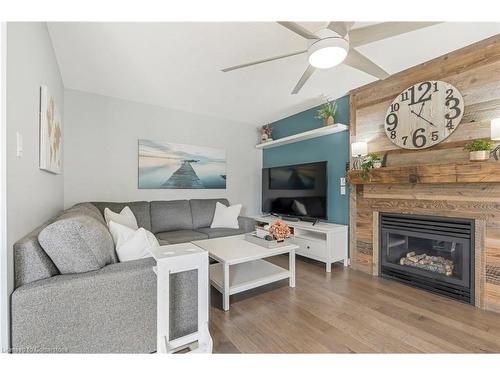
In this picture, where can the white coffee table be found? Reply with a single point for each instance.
(242, 266)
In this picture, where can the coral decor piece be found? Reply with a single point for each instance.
(279, 230)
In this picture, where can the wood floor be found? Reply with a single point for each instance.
(348, 311)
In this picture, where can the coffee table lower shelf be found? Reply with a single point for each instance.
(248, 275)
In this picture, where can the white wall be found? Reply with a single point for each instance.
(4, 267)
(33, 195)
(100, 150)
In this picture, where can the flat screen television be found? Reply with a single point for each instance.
(296, 190)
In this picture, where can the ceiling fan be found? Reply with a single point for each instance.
(336, 43)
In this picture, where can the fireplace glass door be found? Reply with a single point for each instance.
(428, 255)
(428, 252)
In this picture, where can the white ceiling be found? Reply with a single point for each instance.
(178, 65)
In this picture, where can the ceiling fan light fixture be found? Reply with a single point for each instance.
(327, 53)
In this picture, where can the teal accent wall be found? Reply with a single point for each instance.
(333, 148)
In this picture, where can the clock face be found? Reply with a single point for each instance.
(424, 115)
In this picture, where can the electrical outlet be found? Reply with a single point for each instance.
(342, 181)
(342, 190)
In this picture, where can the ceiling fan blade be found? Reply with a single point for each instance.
(368, 34)
(297, 29)
(360, 62)
(341, 28)
(262, 61)
(307, 74)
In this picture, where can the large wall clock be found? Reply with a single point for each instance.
(424, 115)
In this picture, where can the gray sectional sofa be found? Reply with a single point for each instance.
(113, 308)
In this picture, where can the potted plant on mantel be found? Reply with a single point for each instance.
(327, 112)
(377, 162)
(479, 150)
(372, 160)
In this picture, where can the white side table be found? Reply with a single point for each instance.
(173, 259)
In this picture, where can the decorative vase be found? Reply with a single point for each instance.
(329, 120)
(377, 164)
(264, 138)
(479, 155)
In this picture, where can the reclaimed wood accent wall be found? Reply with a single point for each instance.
(475, 71)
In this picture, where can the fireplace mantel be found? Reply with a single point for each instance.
(456, 173)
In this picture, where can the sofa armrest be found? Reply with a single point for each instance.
(109, 310)
(246, 223)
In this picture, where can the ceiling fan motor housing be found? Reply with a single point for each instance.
(328, 51)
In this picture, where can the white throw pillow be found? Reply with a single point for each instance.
(226, 217)
(132, 244)
(125, 217)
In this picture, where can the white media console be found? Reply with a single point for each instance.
(325, 242)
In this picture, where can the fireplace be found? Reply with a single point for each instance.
(429, 252)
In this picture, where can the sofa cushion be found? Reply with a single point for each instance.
(132, 244)
(220, 232)
(140, 210)
(85, 209)
(168, 216)
(226, 217)
(77, 243)
(31, 262)
(124, 217)
(181, 236)
(203, 211)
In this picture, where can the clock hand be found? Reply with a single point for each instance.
(423, 118)
(421, 108)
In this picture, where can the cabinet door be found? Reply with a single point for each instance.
(317, 250)
(310, 248)
(303, 246)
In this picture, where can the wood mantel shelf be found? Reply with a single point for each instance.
(459, 173)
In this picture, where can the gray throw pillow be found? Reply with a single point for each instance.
(77, 243)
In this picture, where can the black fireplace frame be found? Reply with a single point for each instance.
(422, 280)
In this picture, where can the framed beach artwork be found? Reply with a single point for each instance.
(50, 133)
(164, 165)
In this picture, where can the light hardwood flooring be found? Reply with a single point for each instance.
(348, 311)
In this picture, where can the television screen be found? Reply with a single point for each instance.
(296, 190)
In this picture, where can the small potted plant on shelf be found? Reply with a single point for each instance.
(266, 133)
(377, 162)
(366, 165)
(327, 112)
(479, 150)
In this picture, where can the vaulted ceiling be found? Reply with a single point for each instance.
(178, 65)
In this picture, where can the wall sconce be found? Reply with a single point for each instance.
(358, 150)
(495, 136)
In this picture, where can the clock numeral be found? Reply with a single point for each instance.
(393, 134)
(394, 107)
(404, 138)
(391, 119)
(449, 124)
(435, 86)
(449, 94)
(404, 96)
(434, 136)
(425, 87)
(419, 140)
(451, 99)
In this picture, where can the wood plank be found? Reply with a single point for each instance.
(471, 172)
(488, 192)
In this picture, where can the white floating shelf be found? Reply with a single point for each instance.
(319, 132)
